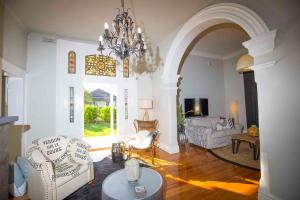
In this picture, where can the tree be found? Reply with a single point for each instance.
(105, 114)
(91, 113)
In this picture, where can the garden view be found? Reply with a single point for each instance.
(97, 114)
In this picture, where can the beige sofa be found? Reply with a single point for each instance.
(202, 131)
(58, 166)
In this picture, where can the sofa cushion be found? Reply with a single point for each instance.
(54, 148)
(201, 121)
(66, 171)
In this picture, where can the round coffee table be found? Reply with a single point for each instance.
(116, 185)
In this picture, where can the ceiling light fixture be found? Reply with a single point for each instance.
(125, 39)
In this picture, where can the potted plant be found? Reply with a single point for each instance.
(180, 119)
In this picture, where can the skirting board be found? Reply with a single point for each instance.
(170, 149)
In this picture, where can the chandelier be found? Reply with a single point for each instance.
(125, 39)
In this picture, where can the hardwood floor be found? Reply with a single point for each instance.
(196, 174)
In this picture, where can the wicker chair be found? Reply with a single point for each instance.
(144, 141)
(151, 126)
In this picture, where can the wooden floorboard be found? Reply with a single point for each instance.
(194, 173)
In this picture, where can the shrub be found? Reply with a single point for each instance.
(105, 114)
(91, 113)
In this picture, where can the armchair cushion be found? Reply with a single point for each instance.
(67, 171)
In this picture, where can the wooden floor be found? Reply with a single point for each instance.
(196, 174)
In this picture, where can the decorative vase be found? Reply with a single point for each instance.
(253, 131)
(132, 169)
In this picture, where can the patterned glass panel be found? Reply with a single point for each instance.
(100, 65)
(72, 62)
(126, 67)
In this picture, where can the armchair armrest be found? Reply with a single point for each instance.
(42, 181)
(35, 157)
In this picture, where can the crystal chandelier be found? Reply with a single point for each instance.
(124, 40)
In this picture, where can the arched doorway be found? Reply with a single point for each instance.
(260, 46)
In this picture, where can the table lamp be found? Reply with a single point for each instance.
(146, 104)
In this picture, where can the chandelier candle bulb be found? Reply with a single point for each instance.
(100, 39)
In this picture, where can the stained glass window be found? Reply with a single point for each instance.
(126, 67)
(100, 65)
(72, 62)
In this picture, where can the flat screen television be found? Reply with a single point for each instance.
(194, 107)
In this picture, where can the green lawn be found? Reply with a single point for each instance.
(101, 129)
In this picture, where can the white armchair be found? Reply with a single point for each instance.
(58, 166)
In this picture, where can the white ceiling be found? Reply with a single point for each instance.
(222, 41)
(84, 19)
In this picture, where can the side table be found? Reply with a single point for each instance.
(253, 143)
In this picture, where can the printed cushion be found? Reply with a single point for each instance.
(54, 148)
(230, 124)
(202, 121)
(67, 171)
(78, 151)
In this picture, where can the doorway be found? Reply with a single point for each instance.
(100, 114)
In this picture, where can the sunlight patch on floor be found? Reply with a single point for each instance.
(239, 188)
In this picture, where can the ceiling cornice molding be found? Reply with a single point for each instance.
(218, 57)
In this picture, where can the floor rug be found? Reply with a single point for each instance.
(243, 158)
(101, 170)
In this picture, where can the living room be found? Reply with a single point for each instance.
(51, 50)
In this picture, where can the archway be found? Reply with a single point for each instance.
(260, 46)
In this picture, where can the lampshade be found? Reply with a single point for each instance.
(245, 63)
(145, 104)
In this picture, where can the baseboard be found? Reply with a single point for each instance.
(168, 148)
(264, 195)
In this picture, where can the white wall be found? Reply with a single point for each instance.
(204, 78)
(49, 82)
(41, 86)
(234, 89)
(65, 80)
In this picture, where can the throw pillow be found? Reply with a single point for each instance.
(214, 121)
(77, 151)
(23, 164)
(221, 126)
(54, 148)
(230, 124)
